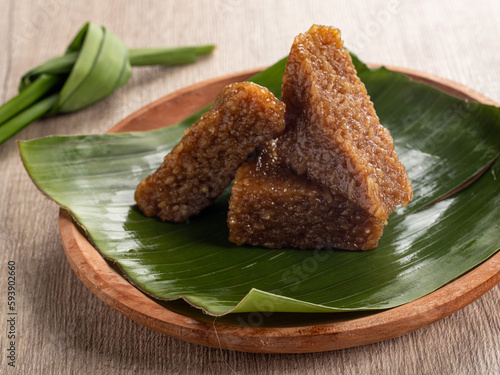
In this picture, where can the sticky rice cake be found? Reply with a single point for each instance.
(273, 207)
(333, 134)
(204, 162)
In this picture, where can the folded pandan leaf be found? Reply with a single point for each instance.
(95, 64)
(443, 142)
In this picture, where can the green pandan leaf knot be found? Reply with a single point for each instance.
(95, 64)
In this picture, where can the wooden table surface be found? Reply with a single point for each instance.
(61, 327)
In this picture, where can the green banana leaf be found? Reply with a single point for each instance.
(443, 141)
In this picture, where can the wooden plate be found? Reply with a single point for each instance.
(253, 333)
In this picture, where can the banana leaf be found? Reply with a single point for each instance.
(444, 142)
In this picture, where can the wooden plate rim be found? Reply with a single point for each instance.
(118, 293)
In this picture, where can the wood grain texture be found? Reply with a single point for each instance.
(64, 328)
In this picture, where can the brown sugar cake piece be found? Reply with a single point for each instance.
(333, 134)
(204, 162)
(271, 206)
